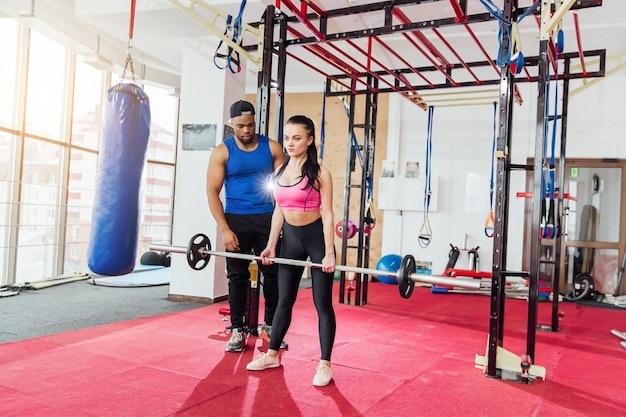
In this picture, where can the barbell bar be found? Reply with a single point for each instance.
(199, 253)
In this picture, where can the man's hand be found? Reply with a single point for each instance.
(231, 242)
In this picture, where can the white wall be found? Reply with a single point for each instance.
(461, 159)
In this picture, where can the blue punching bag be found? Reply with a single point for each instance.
(112, 246)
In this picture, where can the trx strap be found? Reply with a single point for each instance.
(426, 233)
(232, 56)
(548, 225)
(515, 57)
(489, 222)
(369, 220)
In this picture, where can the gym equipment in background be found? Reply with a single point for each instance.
(389, 262)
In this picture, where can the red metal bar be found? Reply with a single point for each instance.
(422, 38)
(404, 61)
(517, 96)
(445, 42)
(313, 67)
(369, 52)
(332, 60)
(460, 17)
(482, 48)
(580, 45)
(377, 62)
(315, 7)
(432, 61)
(302, 17)
(352, 58)
(339, 64)
(347, 55)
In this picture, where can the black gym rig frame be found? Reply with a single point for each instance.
(278, 47)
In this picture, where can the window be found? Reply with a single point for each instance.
(52, 150)
(88, 86)
(46, 84)
(38, 215)
(8, 72)
(164, 126)
(80, 197)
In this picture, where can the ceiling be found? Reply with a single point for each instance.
(161, 30)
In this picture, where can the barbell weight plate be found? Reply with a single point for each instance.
(351, 230)
(197, 258)
(405, 283)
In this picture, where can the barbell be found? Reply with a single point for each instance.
(199, 254)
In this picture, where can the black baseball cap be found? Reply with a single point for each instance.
(241, 107)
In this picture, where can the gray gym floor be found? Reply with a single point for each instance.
(79, 304)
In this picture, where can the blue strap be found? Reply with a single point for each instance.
(233, 60)
(237, 23)
(548, 226)
(323, 128)
(495, 12)
(550, 217)
(426, 234)
(490, 220)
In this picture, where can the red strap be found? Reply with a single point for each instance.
(132, 19)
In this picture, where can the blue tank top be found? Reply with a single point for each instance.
(246, 183)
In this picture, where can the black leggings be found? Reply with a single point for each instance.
(300, 242)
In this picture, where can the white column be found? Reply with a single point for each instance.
(392, 219)
(205, 98)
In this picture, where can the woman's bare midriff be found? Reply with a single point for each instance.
(301, 218)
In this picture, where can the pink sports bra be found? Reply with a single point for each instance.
(294, 197)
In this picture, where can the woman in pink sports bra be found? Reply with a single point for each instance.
(304, 214)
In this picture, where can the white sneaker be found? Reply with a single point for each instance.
(263, 361)
(621, 335)
(323, 375)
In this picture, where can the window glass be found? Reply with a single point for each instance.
(87, 106)
(593, 213)
(39, 203)
(157, 206)
(7, 142)
(163, 126)
(8, 73)
(80, 198)
(46, 83)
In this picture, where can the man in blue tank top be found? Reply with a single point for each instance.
(243, 165)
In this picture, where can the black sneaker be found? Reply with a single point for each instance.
(237, 341)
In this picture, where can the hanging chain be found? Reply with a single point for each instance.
(129, 63)
(129, 50)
